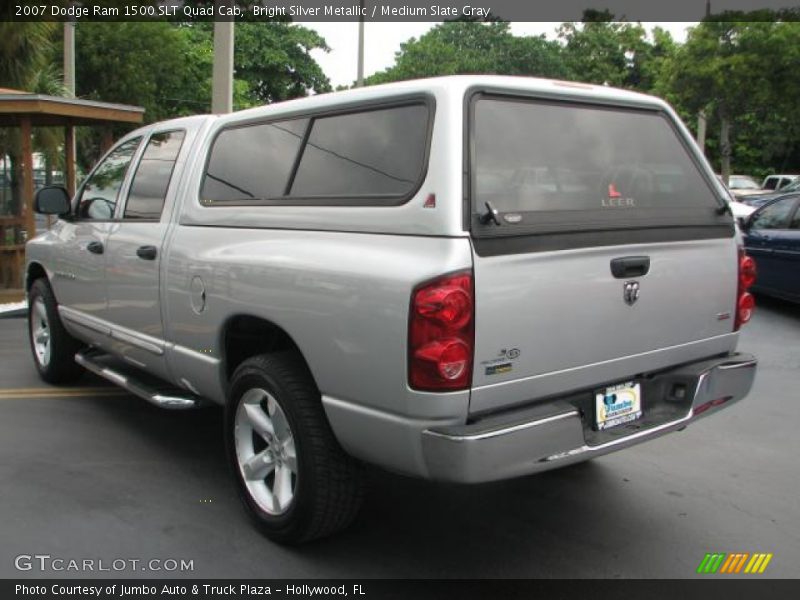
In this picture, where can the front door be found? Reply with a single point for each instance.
(79, 279)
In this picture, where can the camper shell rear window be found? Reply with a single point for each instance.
(554, 166)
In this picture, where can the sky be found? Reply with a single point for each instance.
(382, 40)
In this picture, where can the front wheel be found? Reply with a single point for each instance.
(53, 348)
(293, 477)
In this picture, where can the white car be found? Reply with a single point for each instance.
(743, 185)
(776, 182)
(741, 211)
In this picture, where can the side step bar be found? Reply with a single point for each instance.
(144, 386)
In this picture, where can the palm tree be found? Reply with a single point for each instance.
(27, 50)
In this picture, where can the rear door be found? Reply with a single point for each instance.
(615, 260)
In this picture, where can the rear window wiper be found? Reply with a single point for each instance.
(491, 214)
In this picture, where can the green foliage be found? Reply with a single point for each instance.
(458, 47)
(743, 73)
(26, 49)
(274, 59)
(149, 64)
(167, 67)
(605, 52)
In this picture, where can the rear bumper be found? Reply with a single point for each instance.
(552, 435)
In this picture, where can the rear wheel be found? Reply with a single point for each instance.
(295, 480)
(53, 348)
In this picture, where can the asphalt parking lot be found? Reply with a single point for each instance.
(90, 472)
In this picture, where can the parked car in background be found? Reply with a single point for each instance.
(772, 238)
(741, 212)
(776, 182)
(743, 185)
(757, 200)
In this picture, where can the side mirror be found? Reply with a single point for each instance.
(52, 200)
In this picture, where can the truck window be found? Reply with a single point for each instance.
(151, 180)
(374, 153)
(252, 162)
(565, 166)
(98, 197)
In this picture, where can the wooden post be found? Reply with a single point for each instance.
(69, 162)
(106, 139)
(27, 176)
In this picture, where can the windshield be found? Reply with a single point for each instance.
(792, 187)
(741, 182)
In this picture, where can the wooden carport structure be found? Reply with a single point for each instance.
(25, 111)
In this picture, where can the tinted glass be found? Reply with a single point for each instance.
(795, 224)
(770, 183)
(374, 153)
(252, 162)
(536, 156)
(775, 215)
(151, 180)
(98, 199)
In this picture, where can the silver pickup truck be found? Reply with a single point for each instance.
(462, 279)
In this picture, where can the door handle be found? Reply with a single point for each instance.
(147, 252)
(630, 266)
(95, 247)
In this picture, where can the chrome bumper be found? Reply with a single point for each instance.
(552, 435)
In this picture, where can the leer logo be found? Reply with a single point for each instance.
(721, 562)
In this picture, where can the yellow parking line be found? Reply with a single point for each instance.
(21, 393)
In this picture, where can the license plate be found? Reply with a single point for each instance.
(617, 404)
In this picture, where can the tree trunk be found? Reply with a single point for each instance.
(725, 146)
(701, 130)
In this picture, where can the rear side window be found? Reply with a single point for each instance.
(151, 180)
(252, 162)
(560, 166)
(364, 154)
(372, 156)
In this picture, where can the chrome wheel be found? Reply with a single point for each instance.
(265, 451)
(40, 332)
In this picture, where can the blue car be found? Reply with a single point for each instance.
(772, 238)
(756, 200)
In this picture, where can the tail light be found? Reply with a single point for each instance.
(441, 333)
(745, 303)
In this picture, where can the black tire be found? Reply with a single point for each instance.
(59, 365)
(328, 484)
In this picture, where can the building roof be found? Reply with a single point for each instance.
(46, 110)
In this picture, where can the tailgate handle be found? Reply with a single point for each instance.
(630, 266)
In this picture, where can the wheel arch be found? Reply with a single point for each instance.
(34, 271)
(244, 335)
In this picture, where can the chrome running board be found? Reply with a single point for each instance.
(147, 387)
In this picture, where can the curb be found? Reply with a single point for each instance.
(13, 311)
